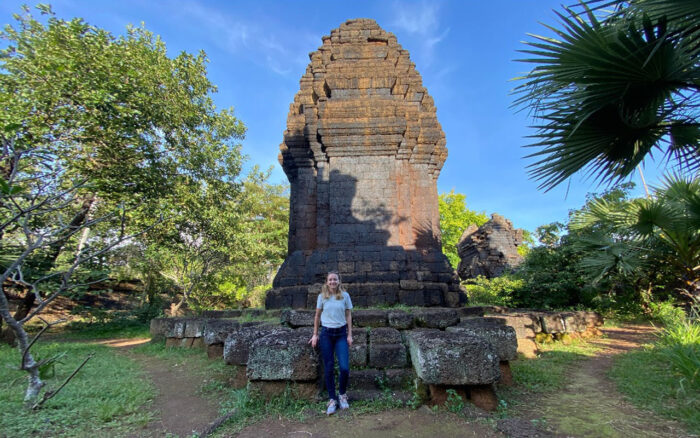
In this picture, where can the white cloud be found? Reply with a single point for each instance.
(421, 20)
(237, 37)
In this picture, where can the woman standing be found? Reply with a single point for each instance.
(333, 311)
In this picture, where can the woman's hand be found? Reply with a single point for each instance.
(313, 341)
(349, 340)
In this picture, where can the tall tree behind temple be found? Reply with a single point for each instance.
(455, 217)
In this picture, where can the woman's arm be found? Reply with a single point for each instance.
(317, 320)
(348, 319)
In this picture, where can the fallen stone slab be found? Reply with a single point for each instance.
(449, 358)
(237, 344)
(297, 318)
(501, 336)
(552, 322)
(161, 328)
(168, 328)
(574, 322)
(399, 377)
(440, 318)
(526, 325)
(359, 350)
(217, 330)
(386, 349)
(194, 327)
(387, 356)
(283, 355)
(384, 335)
(369, 318)
(368, 378)
(399, 319)
(593, 319)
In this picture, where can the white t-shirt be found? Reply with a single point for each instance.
(333, 314)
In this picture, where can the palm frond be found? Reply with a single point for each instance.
(609, 92)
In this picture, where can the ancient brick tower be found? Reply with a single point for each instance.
(362, 151)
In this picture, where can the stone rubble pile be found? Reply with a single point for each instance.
(489, 250)
(427, 350)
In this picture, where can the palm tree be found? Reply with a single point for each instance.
(664, 228)
(612, 88)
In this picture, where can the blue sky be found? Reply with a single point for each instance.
(464, 50)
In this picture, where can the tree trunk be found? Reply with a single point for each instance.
(7, 335)
(78, 221)
(175, 307)
(28, 364)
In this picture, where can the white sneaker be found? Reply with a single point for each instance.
(344, 401)
(332, 406)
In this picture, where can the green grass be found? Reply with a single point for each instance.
(249, 409)
(215, 373)
(108, 397)
(663, 377)
(547, 372)
(117, 328)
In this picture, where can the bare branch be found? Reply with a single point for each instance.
(47, 326)
(48, 395)
(78, 260)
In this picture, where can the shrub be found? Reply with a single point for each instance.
(496, 291)
(679, 344)
(667, 312)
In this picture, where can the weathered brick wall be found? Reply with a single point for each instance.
(362, 151)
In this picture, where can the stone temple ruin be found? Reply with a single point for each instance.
(489, 250)
(362, 151)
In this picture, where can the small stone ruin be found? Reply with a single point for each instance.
(362, 151)
(420, 351)
(489, 250)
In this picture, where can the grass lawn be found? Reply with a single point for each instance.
(108, 397)
(649, 381)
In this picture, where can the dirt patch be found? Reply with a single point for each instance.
(180, 409)
(419, 423)
(591, 406)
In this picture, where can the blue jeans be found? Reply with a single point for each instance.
(334, 341)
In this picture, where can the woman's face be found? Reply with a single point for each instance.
(332, 281)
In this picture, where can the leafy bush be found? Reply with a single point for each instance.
(550, 278)
(679, 344)
(667, 312)
(496, 291)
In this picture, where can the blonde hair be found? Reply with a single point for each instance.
(326, 292)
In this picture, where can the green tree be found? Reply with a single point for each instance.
(99, 135)
(216, 249)
(612, 87)
(455, 217)
(656, 232)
